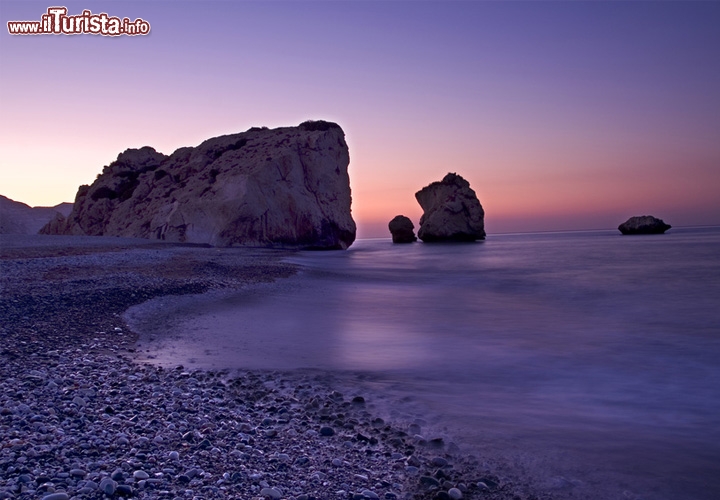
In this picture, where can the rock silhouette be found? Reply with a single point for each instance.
(451, 211)
(284, 187)
(402, 230)
(643, 224)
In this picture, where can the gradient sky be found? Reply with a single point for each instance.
(562, 115)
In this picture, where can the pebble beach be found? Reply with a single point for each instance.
(82, 418)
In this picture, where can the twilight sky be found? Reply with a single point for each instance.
(562, 115)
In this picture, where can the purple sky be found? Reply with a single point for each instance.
(562, 115)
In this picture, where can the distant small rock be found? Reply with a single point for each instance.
(644, 224)
(402, 230)
(451, 211)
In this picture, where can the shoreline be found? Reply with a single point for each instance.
(82, 415)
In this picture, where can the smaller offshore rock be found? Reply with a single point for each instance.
(451, 211)
(643, 224)
(402, 230)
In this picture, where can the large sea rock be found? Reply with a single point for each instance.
(283, 187)
(402, 230)
(643, 224)
(451, 211)
(18, 218)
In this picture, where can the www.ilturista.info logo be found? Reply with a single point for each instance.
(57, 22)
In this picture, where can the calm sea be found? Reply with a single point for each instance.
(586, 361)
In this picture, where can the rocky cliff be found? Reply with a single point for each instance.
(19, 218)
(284, 187)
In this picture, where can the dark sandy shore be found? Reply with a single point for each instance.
(81, 418)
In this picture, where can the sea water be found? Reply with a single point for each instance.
(586, 361)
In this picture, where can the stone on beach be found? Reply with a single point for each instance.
(439, 462)
(285, 187)
(451, 211)
(108, 486)
(455, 493)
(140, 474)
(56, 496)
(78, 473)
(271, 492)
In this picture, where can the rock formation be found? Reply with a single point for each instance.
(285, 187)
(451, 211)
(402, 230)
(643, 224)
(19, 218)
